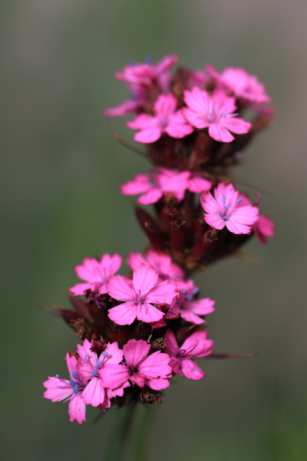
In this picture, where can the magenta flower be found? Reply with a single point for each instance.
(165, 120)
(58, 389)
(145, 74)
(264, 228)
(139, 296)
(152, 186)
(96, 274)
(193, 310)
(195, 346)
(224, 209)
(91, 369)
(140, 368)
(242, 84)
(216, 112)
(160, 262)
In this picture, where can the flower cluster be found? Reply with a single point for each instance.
(134, 325)
(138, 331)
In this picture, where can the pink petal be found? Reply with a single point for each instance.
(72, 364)
(242, 219)
(209, 203)
(165, 105)
(148, 135)
(198, 120)
(197, 345)
(144, 279)
(191, 317)
(156, 365)
(122, 109)
(138, 185)
(94, 393)
(113, 352)
(135, 351)
(80, 288)
(219, 133)
(171, 344)
(158, 384)
(203, 306)
(120, 288)
(164, 293)
(215, 221)
(114, 376)
(142, 122)
(178, 126)
(148, 313)
(153, 195)
(198, 100)
(236, 125)
(136, 260)
(57, 389)
(190, 370)
(264, 228)
(199, 185)
(77, 409)
(123, 314)
(110, 264)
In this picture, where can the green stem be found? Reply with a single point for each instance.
(140, 447)
(128, 440)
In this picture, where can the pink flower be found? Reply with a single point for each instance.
(91, 369)
(165, 120)
(140, 368)
(96, 274)
(215, 112)
(58, 389)
(242, 84)
(160, 262)
(145, 74)
(224, 209)
(192, 310)
(195, 346)
(264, 228)
(152, 186)
(140, 295)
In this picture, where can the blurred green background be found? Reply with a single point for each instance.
(60, 172)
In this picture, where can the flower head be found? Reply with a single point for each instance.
(242, 84)
(59, 389)
(140, 367)
(152, 186)
(195, 346)
(166, 119)
(160, 262)
(96, 274)
(216, 112)
(224, 209)
(140, 297)
(264, 228)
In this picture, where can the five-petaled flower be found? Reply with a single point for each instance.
(59, 389)
(152, 186)
(96, 274)
(242, 84)
(197, 345)
(224, 208)
(216, 112)
(166, 119)
(140, 367)
(140, 296)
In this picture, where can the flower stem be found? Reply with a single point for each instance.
(129, 438)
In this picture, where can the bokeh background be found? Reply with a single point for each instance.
(61, 170)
